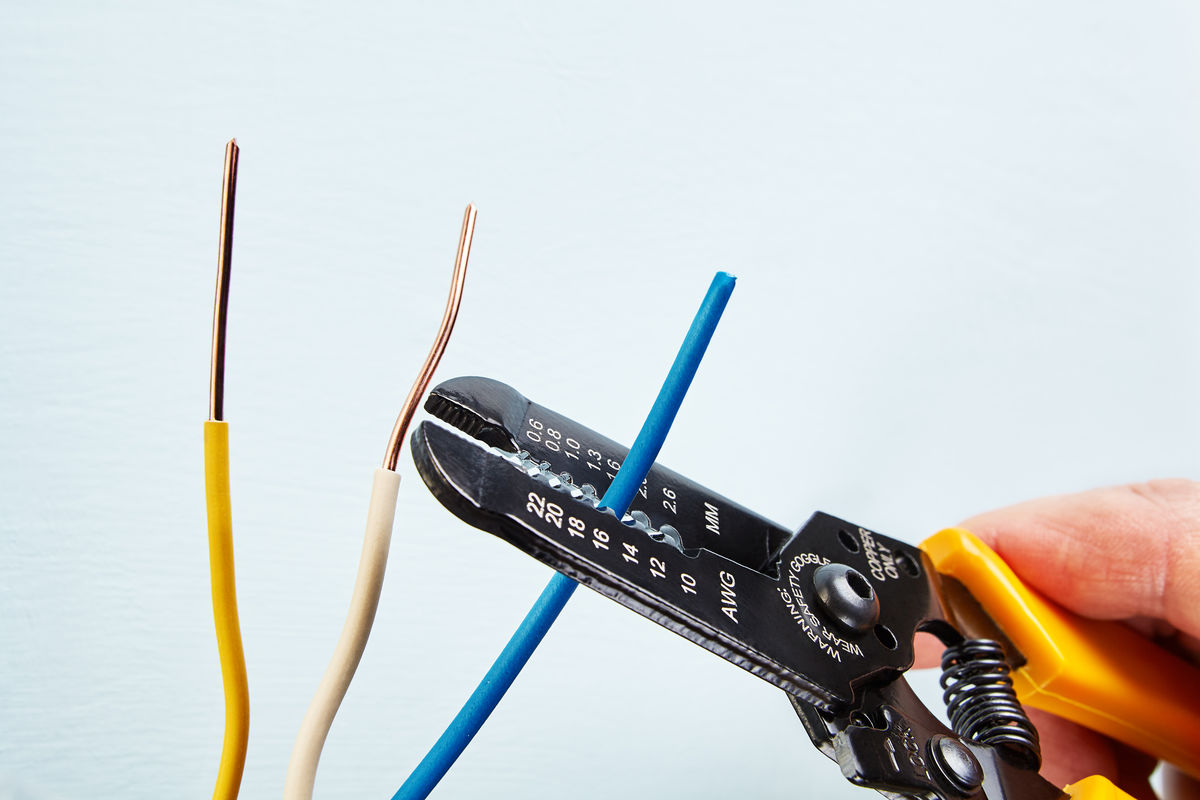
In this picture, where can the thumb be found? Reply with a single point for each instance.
(1118, 553)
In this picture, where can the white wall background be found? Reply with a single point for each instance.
(966, 240)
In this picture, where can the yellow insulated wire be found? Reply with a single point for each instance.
(224, 598)
(220, 519)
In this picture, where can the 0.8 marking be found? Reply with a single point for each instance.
(552, 439)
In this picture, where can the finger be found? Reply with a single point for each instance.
(1178, 786)
(1071, 752)
(1133, 772)
(929, 651)
(1109, 553)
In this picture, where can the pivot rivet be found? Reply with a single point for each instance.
(847, 595)
(957, 764)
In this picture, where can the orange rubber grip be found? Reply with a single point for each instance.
(1100, 674)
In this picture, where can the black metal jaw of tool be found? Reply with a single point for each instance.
(828, 613)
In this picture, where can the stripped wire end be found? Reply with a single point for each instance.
(216, 386)
(421, 384)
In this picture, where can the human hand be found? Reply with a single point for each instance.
(1129, 553)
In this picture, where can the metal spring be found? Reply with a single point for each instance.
(981, 702)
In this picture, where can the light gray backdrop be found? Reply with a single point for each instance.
(966, 240)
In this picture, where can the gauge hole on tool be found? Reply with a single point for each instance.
(635, 518)
(907, 564)
(848, 541)
(885, 636)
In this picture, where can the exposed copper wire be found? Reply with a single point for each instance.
(392, 456)
(216, 385)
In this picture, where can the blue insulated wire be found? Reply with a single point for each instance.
(479, 706)
(662, 414)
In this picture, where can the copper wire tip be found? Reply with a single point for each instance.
(457, 279)
(216, 385)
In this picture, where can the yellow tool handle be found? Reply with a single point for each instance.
(1100, 674)
(1096, 788)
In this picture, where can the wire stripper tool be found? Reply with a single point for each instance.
(827, 613)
